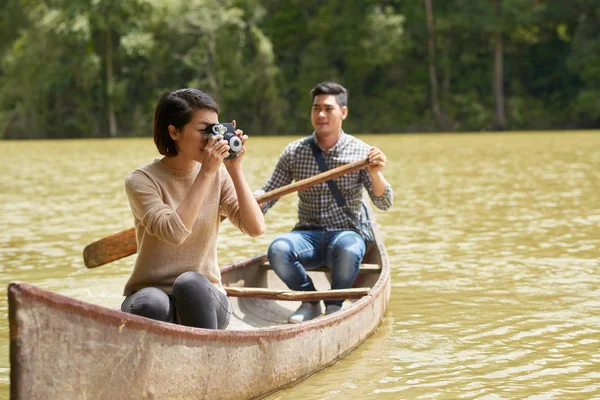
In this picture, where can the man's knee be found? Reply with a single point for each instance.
(280, 251)
(349, 247)
(352, 253)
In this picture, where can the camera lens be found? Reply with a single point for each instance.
(235, 144)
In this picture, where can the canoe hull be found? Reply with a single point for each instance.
(68, 349)
(132, 361)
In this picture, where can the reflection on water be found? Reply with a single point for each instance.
(493, 240)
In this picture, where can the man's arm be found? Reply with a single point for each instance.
(378, 188)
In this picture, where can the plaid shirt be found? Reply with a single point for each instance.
(317, 208)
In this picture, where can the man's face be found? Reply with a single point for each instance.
(327, 115)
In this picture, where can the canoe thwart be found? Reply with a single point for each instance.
(292, 295)
(363, 269)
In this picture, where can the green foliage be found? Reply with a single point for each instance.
(69, 67)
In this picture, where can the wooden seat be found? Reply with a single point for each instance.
(293, 295)
(363, 269)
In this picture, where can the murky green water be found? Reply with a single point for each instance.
(493, 238)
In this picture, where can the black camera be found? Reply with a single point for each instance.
(228, 132)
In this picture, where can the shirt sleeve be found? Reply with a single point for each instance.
(382, 202)
(282, 175)
(229, 205)
(157, 218)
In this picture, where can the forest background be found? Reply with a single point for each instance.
(96, 68)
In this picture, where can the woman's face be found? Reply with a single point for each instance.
(191, 139)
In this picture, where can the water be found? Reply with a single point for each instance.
(493, 241)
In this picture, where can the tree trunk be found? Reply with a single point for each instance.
(435, 99)
(110, 84)
(446, 72)
(499, 81)
(499, 72)
(211, 71)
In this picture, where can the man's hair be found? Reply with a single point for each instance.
(338, 91)
(176, 108)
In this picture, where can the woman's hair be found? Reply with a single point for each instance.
(176, 108)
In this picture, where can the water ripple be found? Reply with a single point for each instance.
(493, 239)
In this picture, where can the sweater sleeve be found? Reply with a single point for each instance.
(229, 205)
(157, 218)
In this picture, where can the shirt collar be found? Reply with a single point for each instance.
(338, 146)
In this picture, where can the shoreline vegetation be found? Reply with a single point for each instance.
(300, 135)
(77, 69)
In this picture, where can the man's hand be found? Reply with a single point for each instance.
(377, 160)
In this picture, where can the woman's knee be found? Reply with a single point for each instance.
(190, 281)
(148, 302)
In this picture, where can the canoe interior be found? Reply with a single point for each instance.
(258, 313)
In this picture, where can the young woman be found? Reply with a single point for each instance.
(177, 203)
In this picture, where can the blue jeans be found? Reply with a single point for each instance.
(292, 254)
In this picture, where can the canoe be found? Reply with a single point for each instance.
(65, 348)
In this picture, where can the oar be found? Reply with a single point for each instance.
(123, 244)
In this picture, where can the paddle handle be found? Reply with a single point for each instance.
(123, 244)
(313, 180)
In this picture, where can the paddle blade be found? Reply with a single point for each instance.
(110, 248)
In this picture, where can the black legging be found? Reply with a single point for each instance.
(195, 302)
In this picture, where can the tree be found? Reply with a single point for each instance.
(499, 71)
(439, 115)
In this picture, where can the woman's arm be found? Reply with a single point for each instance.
(214, 153)
(250, 213)
(156, 217)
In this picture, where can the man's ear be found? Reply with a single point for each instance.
(173, 132)
(344, 112)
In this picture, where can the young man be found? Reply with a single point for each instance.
(324, 234)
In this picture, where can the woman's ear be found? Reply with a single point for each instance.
(173, 132)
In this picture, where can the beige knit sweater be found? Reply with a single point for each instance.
(166, 248)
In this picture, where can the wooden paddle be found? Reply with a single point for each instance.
(123, 244)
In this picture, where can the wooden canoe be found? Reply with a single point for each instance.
(68, 349)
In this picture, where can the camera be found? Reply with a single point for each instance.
(228, 132)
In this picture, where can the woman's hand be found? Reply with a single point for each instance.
(215, 151)
(237, 160)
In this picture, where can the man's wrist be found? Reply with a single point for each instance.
(376, 174)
